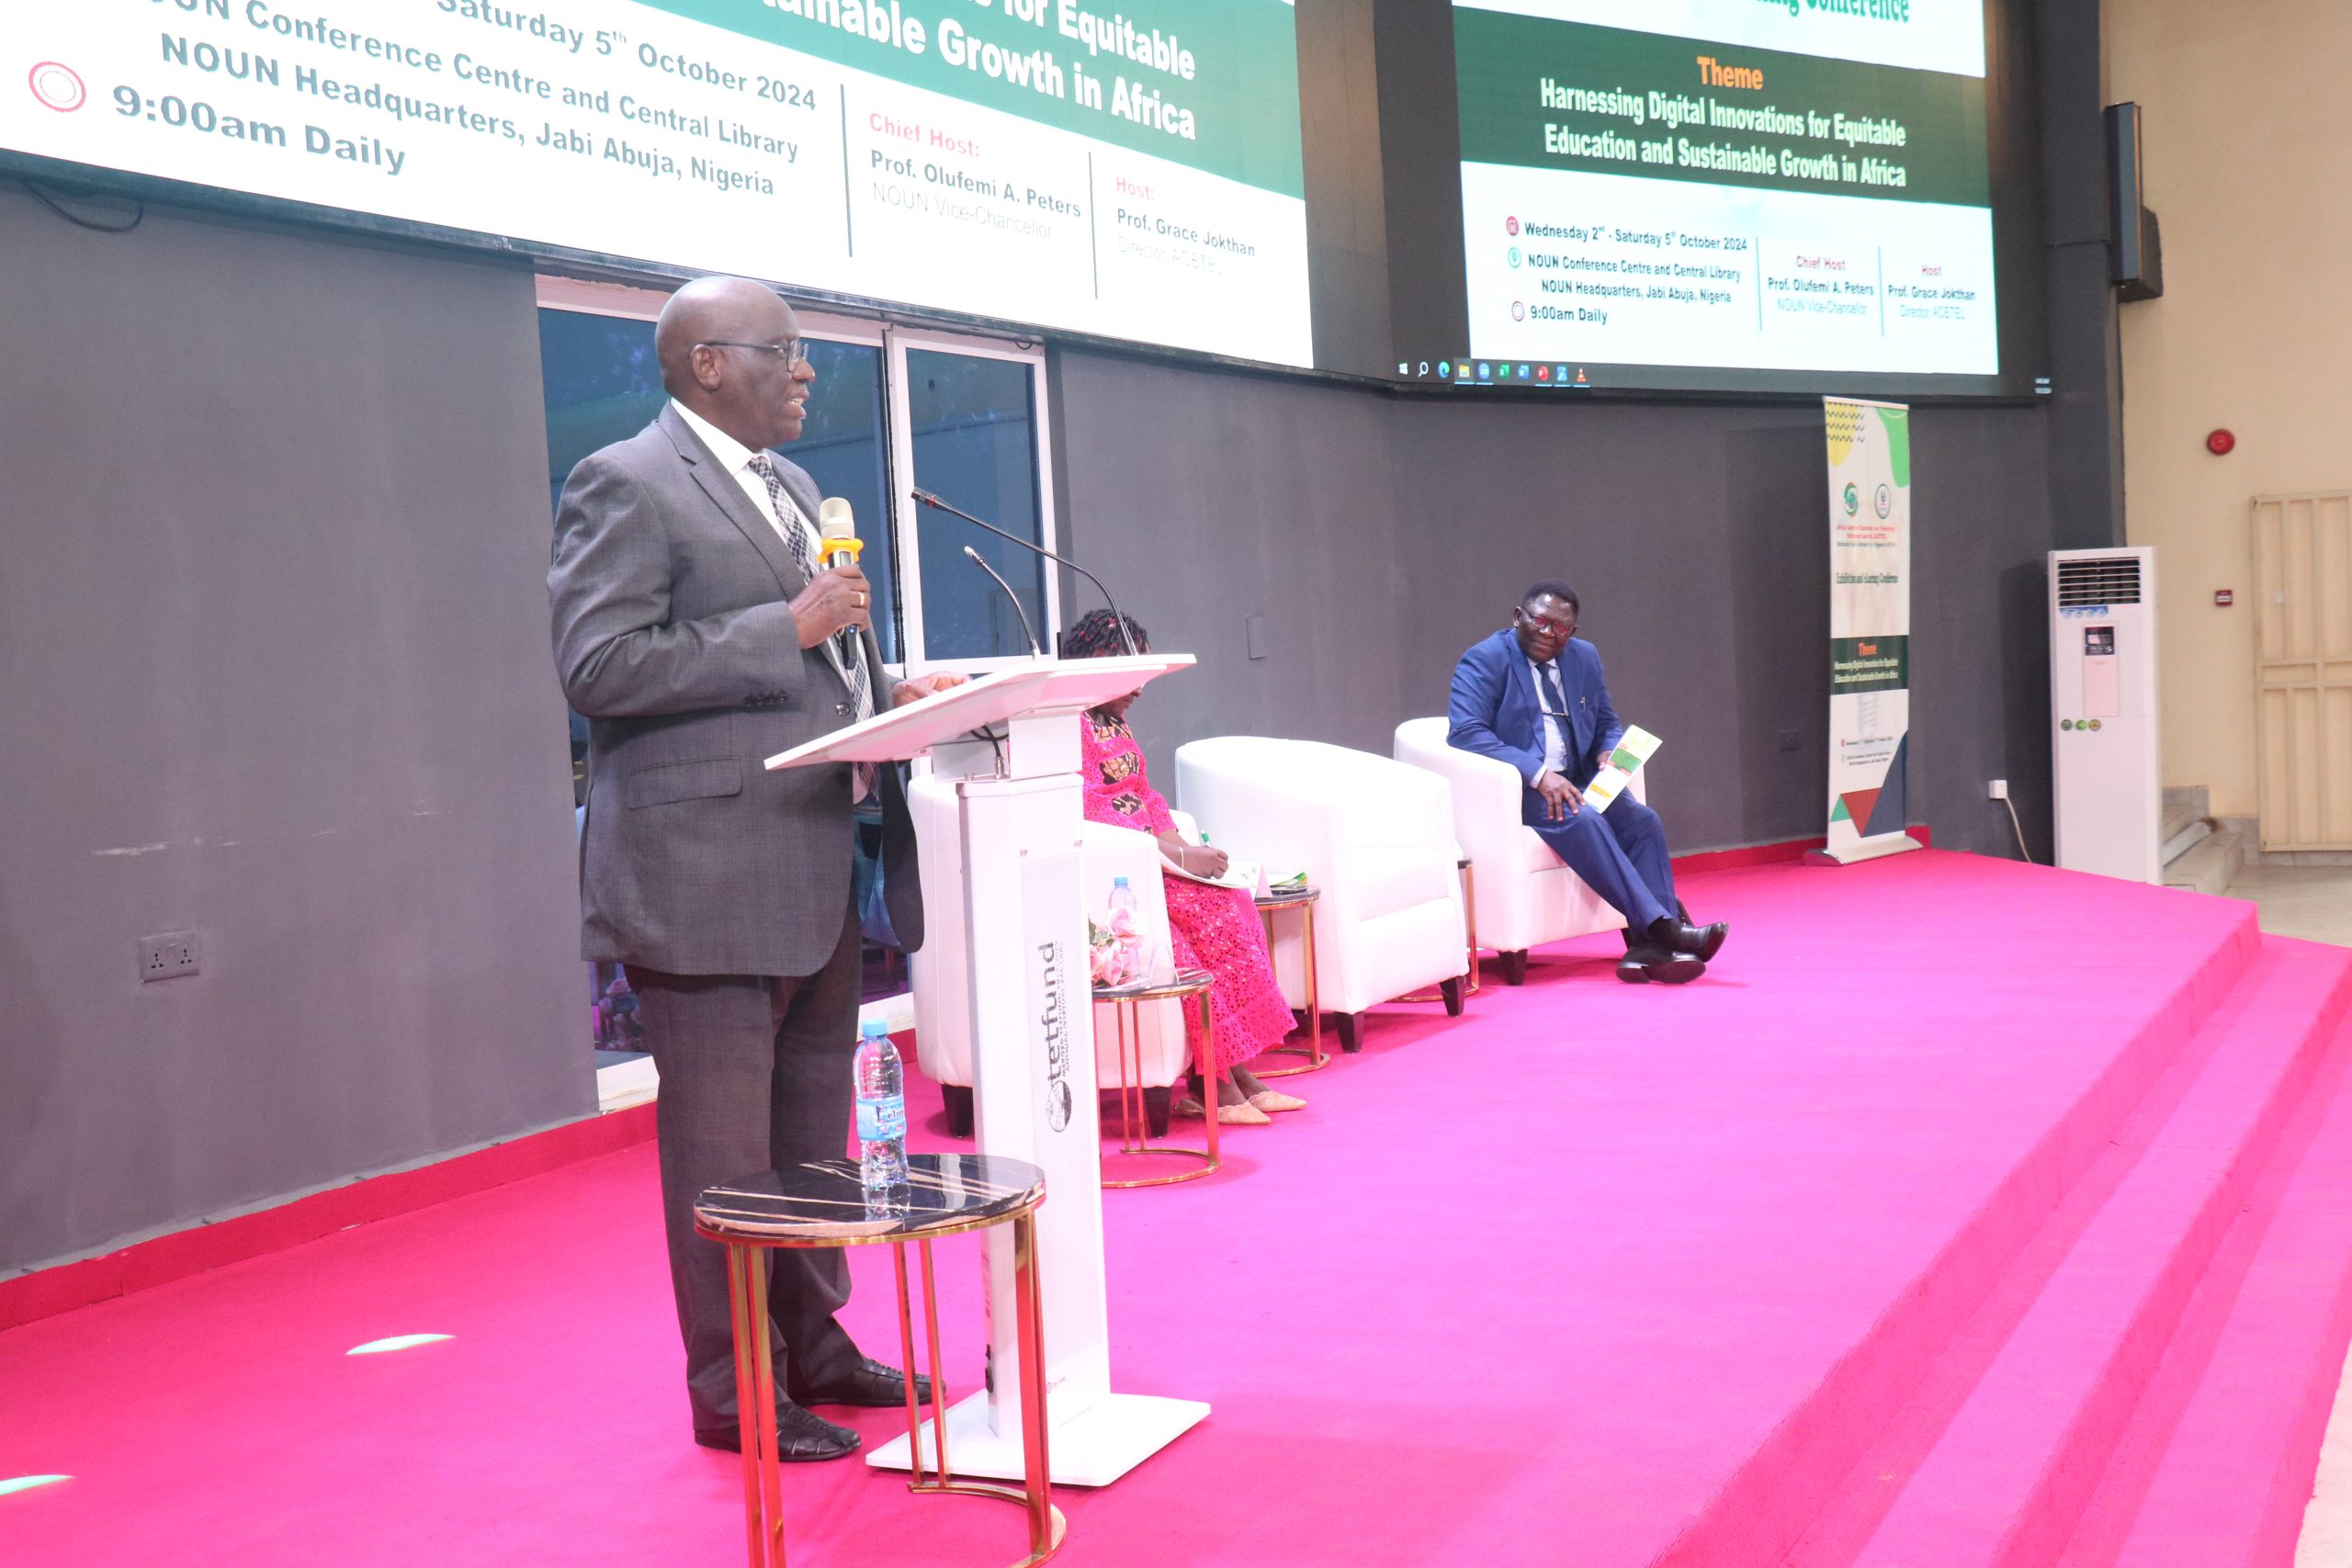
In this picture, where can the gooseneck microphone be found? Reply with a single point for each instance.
(838, 546)
(1026, 630)
(927, 499)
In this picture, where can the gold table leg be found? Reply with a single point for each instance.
(1047, 1528)
(1208, 1081)
(1470, 918)
(746, 1290)
(1135, 1125)
(1313, 1049)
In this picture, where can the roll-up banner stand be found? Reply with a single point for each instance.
(1870, 630)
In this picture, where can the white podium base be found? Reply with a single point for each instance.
(1092, 1449)
(1855, 854)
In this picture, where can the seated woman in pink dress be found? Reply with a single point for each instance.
(1215, 928)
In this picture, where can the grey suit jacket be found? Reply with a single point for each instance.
(674, 637)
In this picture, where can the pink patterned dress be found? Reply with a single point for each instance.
(1215, 928)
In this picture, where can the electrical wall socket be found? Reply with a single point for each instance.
(1997, 789)
(162, 957)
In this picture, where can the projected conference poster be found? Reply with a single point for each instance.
(1128, 169)
(1771, 184)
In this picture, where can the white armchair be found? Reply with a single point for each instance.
(942, 995)
(1375, 836)
(1525, 894)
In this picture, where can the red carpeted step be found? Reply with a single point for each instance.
(2217, 1466)
(2010, 1475)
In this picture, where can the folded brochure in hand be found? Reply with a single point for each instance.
(1634, 748)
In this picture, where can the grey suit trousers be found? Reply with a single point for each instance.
(756, 1073)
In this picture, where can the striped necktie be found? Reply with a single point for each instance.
(847, 655)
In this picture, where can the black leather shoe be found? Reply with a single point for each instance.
(1702, 943)
(1646, 963)
(869, 1383)
(802, 1436)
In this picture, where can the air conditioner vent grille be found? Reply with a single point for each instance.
(2112, 581)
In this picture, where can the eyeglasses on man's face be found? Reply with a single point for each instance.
(793, 351)
(1542, 627)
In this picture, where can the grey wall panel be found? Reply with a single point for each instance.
(273, 652)
(1982, 527)
(1381, 535)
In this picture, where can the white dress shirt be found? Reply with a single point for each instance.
(736, 458)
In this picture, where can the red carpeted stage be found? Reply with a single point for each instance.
(1967, 1213)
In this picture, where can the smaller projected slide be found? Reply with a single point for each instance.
(1767, 184)
(1127, 169)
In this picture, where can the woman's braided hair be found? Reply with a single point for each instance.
(1096, 635)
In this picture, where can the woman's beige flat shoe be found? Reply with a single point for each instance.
(1270, 1100)
(1244, 1115)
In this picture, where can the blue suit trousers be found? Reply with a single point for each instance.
(1619, 852)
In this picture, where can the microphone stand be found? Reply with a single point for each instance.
(927, 499)
(1026, 630)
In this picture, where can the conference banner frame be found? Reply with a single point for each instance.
(1870, 631)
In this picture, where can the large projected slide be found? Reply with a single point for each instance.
(1770, 185)
(1123, 167)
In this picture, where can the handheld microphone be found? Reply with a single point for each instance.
(925, 498)
(837, 541)
(838, 546)
(1026, 630)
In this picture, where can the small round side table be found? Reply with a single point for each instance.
(822, 1204)
(1301, 902)
(1135, 1127)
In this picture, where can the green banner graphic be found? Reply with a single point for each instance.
(1547, 94)
(1859, 664)
(1211, 83)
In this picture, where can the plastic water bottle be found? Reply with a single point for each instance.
(881, 1114)
(1123, 901)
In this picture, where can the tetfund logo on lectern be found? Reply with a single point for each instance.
(1056, 1020)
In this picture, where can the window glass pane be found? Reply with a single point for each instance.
(975, 444)
(841, 444)
(603, 384)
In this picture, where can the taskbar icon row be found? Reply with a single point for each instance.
(1494, 373)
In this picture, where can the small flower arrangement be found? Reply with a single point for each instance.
(1114, 949)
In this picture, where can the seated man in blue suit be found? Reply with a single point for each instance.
(1533, 696)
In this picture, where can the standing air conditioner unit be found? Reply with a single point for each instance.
(2103, 710)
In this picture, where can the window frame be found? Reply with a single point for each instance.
(908, 516)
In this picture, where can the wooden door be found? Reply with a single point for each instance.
(2302, 563)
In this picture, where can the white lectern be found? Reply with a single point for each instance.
(1033, 1043)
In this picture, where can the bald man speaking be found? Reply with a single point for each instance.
(695, 631)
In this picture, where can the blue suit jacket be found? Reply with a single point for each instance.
(1494, 709)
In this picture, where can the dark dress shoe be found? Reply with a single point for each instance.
(869, 1383)
(802, 1436)
(1702, 943)
(1644, 963)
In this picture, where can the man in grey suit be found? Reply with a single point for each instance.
(695, 631)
